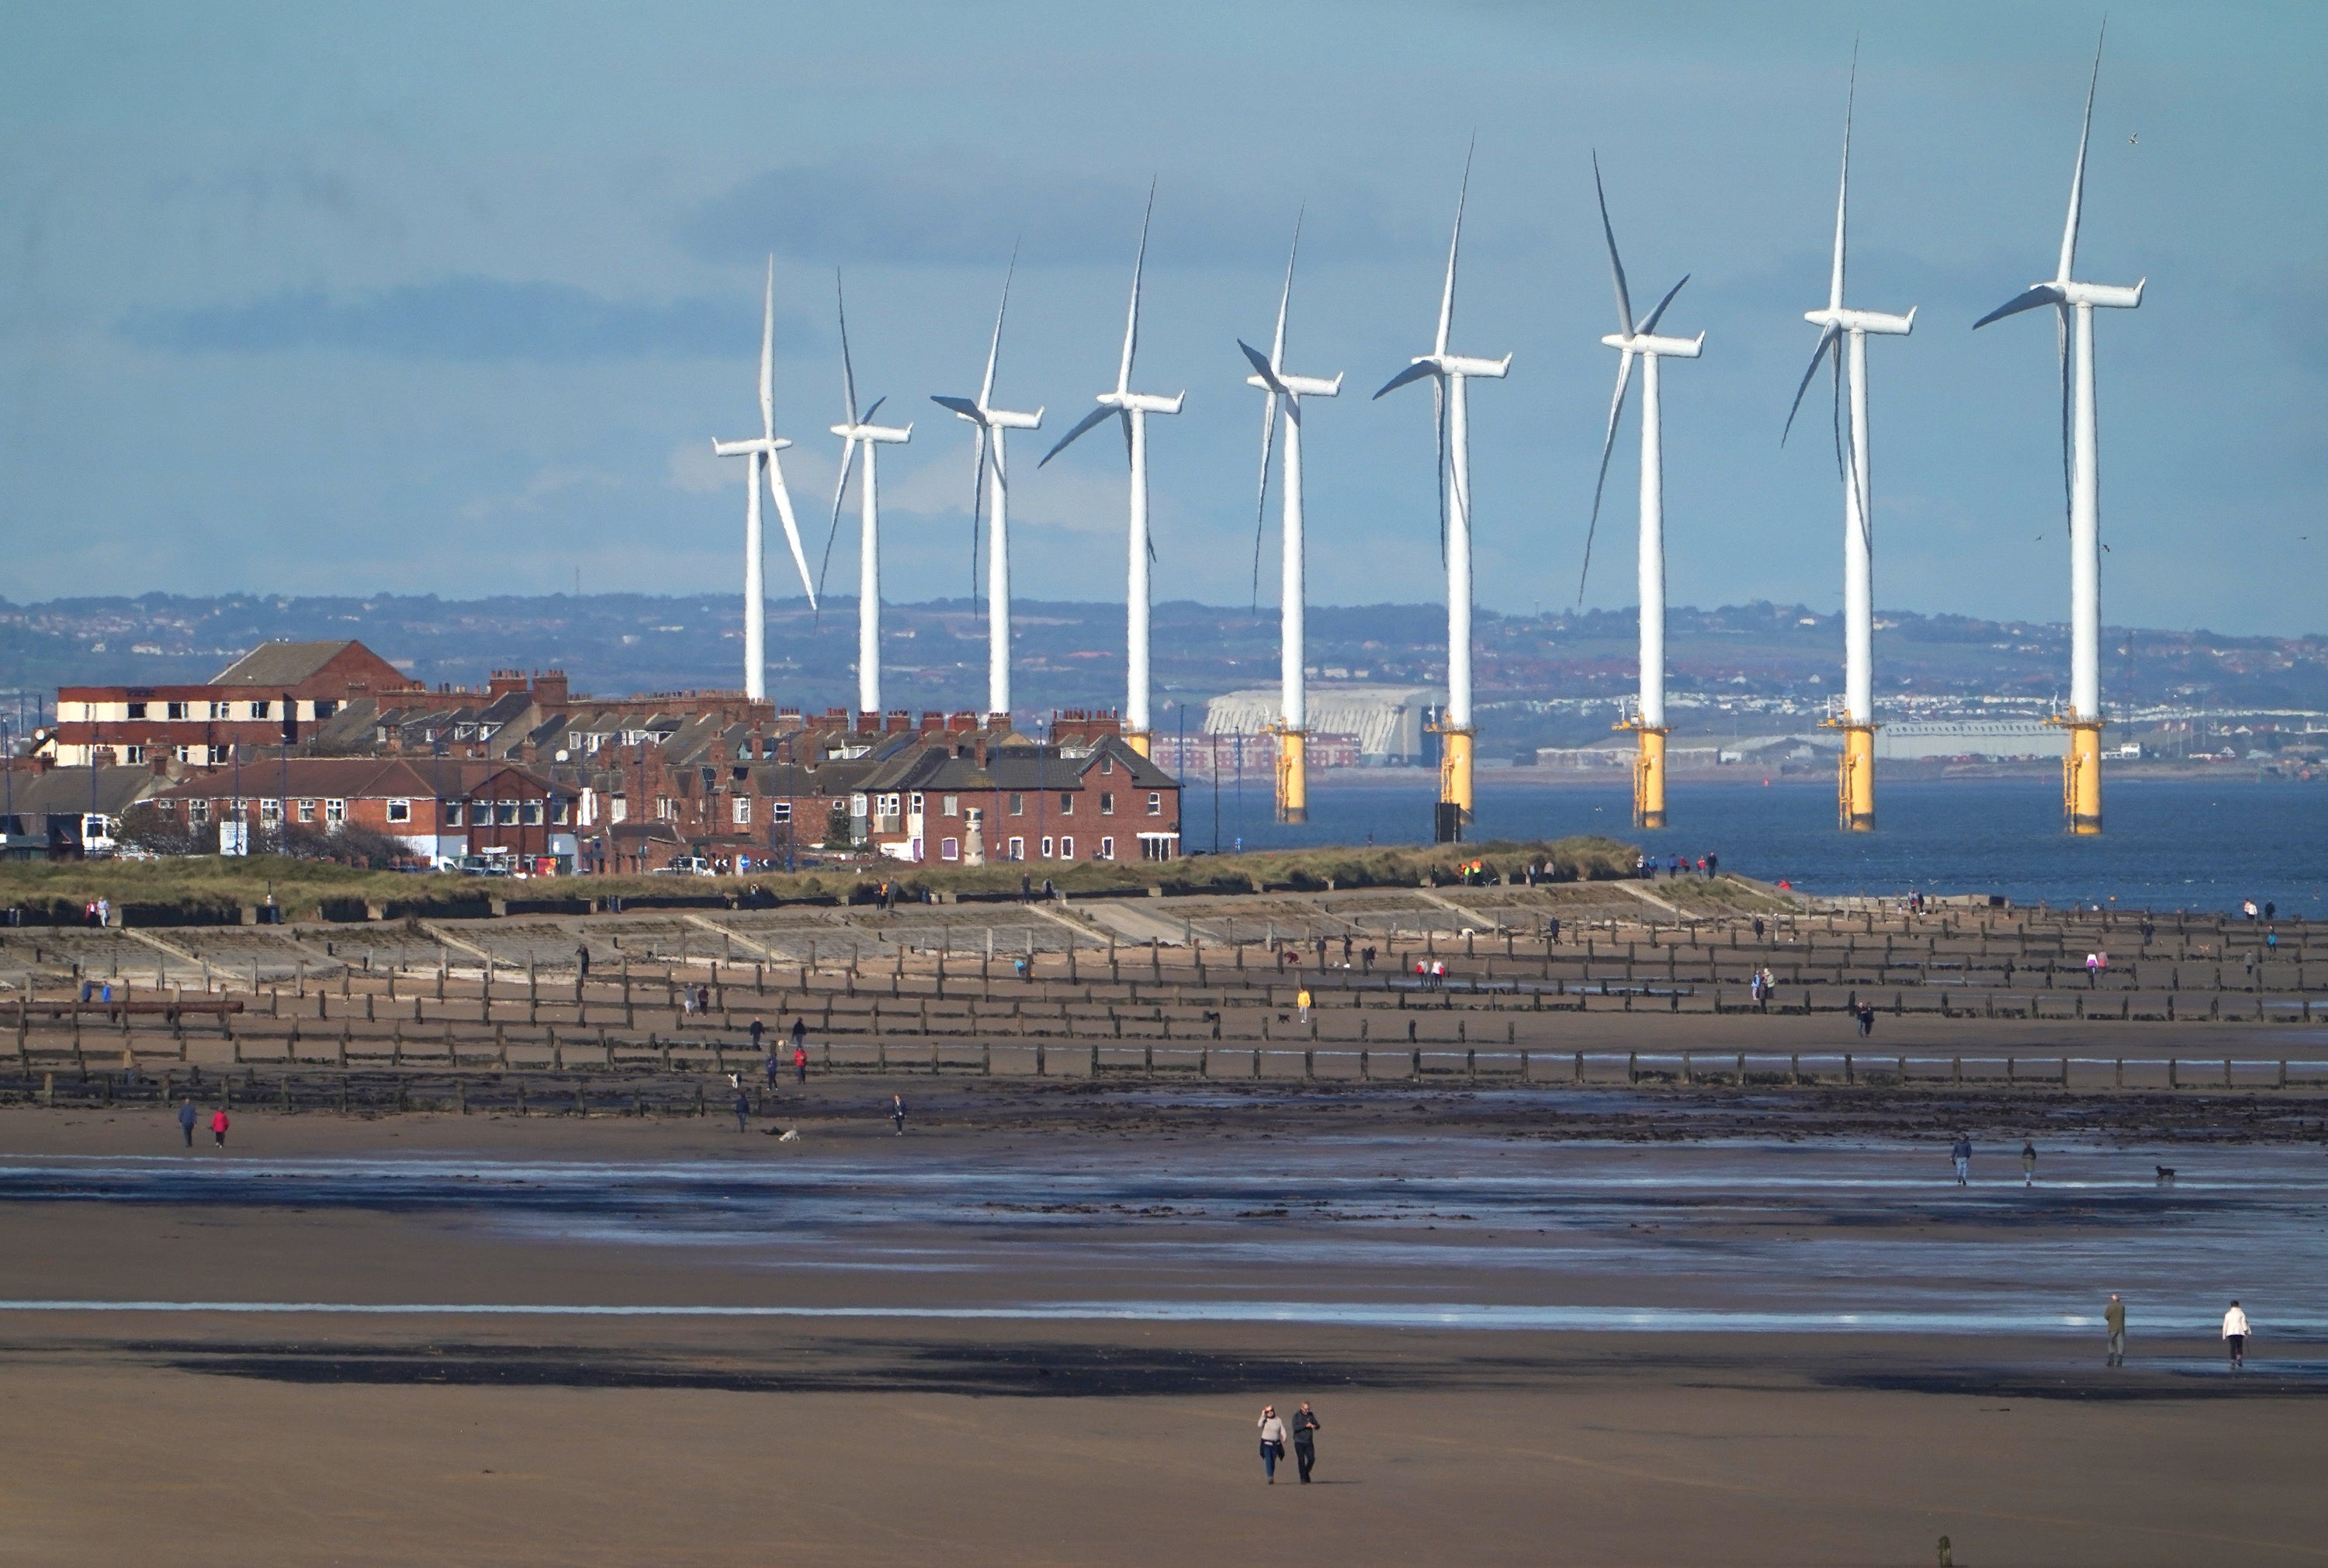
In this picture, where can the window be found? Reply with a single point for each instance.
(917, 807)
(1048, 848)
(218, 709)
(167, 808)
(665, 807)
(1155, 803)
(742, 807)
(1018, 805)
(452, 810)
(953, 806)
(136, 710)
(505, 814)
(335, 812)
(1106, 763)
(182, 753)
(270, 810)
(560, 810)
(530, 814)
(1066, 849)
(174, 709)
(399, 811)
(1017, 848)
(1107, 848)
(220, 755)
(198, 811)
(306, 811)
(1066, 804)
(326, 706)
(949, 849)
(133, 754)
(888, 806)
(261, 710)
(1107, 802)
(574, 740)
(618, 809)
(780, 811)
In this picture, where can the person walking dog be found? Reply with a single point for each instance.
(1272, 1441)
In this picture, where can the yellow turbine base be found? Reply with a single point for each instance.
(2081, 776)
(1649, 779)
(1292, 775)
(1855, 785)
(1139, 741)
(1455, 769)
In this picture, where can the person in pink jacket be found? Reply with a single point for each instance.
(219, 1127)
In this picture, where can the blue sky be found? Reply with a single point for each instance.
(453, 298)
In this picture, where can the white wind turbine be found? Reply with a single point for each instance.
(1842, 337)
(1639, 340)
(1133, 409)
(2074, 303)
(764, 450)
(1448, 374)
(858, 430)
(990, 485)
(1278, 386)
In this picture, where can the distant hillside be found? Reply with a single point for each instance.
(1757, 656)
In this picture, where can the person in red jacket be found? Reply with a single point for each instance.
(217, 1127)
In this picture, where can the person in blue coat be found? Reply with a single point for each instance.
(187, 1119)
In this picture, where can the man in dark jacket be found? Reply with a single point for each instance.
(743, 1109)
(1305, 1425)
(186, 1121)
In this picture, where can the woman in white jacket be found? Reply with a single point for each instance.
(2235, 1335)
(1272, 1441)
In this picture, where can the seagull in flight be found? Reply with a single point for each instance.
(2134, 140)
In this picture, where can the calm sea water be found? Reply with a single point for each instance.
(2170, 845)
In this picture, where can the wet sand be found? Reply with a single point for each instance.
(873, 1422)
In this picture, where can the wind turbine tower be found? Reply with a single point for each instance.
(1450, 374)
(1843, 338)
(2074, 302)
(990, 485)
(859, 431)
(1133, 409)
(1638, 339)
(763, 450)
(1279, 386)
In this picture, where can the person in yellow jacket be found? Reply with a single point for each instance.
(1301, 1000)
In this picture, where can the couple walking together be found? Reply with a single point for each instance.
(1273, 1431)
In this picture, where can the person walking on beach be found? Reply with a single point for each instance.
(582, 961)
(1272, 1441)
(2028, 1163)
(1305, 1440)
(1301, 1000)
(1962, 1155)
(758, 1032)
(743, 1109)
(2234, 1336)
(1866, 1020)
(2114, 1315)
(218, 1126)
(800, 1062)
(186, 1121)
(897, 1113)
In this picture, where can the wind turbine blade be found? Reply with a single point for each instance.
(1447, 295)
(2028, 299)
(993, 348)
(839, 493)
(1413, 372)
(1277, 344)
(977, 508)
(1835, 417)
(1616, 267)
(847, 370)
(2068, 456)
(1082, 425)
(875, 409)
(1657, 315)
(1132, 317)
(783, 501)
(1843, 188)
(2077, 179)
(768, 357)
(963, 406)
(1267, 370)
(1828, 340)
(1268, 447)
(1607, 446)
(1439, 426)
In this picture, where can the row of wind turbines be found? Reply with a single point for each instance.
(1842, 347)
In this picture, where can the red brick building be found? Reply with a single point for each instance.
(273, 695)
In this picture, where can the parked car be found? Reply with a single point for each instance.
(685, 866)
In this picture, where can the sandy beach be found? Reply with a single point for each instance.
(1039, 1326)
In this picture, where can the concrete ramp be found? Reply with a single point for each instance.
(1133, 922)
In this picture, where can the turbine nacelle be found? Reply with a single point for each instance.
(1651, 343)
(1140, 402)
(1863, 321)
(1298, 385)
(887, 435)
(1008, 420)
(744, 448)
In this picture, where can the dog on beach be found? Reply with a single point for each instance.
(788, 1135)
(2165, 1176)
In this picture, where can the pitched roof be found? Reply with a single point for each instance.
(280, 663)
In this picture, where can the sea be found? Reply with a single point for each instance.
(2199, 845)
